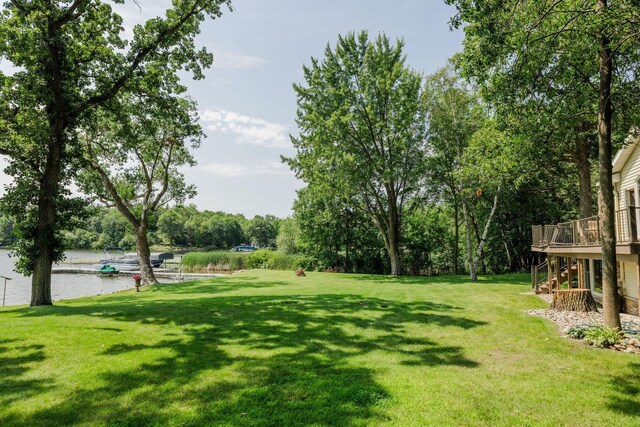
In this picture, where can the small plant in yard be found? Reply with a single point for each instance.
(577, 332)
(601, 337)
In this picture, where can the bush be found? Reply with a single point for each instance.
(578, 331)
(260, 259)
(601, 336)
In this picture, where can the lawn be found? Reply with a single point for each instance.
(268, 348)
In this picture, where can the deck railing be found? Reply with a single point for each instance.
(586, 231)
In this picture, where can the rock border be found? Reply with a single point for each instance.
(630, 342)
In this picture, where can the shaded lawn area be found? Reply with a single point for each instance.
(268, 348)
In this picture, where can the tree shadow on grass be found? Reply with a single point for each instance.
(16, 360)
(214, 286)
(507, 279)
(627, 387)
(255, 360)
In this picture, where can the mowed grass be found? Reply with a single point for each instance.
(268, 348)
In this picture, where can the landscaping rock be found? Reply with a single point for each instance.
(567, 319)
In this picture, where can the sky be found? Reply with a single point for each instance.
(246, 101)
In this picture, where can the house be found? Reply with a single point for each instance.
(573, 249)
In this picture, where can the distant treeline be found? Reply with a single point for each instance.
(182, 226)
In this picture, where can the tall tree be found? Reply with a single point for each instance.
(362, 121)
(133, 155)
(454, 115)
(71, 59)
(532, 44)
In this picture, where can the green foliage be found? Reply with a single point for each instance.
(273, 260)
(362, 122)
(601, 336)
(263, 231)
(260, 258)
(7, 230)
(428, 238)
(578, 331)
(288, 240)
(217, 260)
(233, 261)
(80, 239)
(187, 227)
(70, 65)
(334, 235)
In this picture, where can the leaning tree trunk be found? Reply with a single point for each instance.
(144, 256)
(574, 300)
(610, 302)
(474, 260)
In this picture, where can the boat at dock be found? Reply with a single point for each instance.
(118, 258)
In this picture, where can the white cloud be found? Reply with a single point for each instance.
(236, 61)
(248, 130)
(236, 170)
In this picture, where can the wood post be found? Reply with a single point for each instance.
(580, 273)
(569, 273)
(550, 273)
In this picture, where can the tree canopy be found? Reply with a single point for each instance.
(361, 120)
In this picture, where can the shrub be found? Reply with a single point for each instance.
(260, 258)
(577, 331)
(601, 336)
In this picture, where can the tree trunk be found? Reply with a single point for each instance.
(144, 256)
(393, 246)
(473, 274)
(610, 302)
(474, 260)
(485, 233)
(574, 300)
(43, 261)
(456, 239)
(49, 191)
(584, 177)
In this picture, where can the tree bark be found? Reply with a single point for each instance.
(43, 261)
(393, 239)
(474, 260)
(610, 302)
(574, 300)
(49, 191)
(144, 256)
(456, 232)
(473, 274)
(584, 177)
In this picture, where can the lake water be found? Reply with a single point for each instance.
(63, 286)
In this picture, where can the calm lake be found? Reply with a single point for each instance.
(63, 286)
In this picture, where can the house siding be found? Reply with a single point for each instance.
(629, 177)
(630, 283)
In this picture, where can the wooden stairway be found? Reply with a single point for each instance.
(543, 285)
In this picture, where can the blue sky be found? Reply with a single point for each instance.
(246, 102)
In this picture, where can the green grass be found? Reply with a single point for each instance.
(268, 348)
